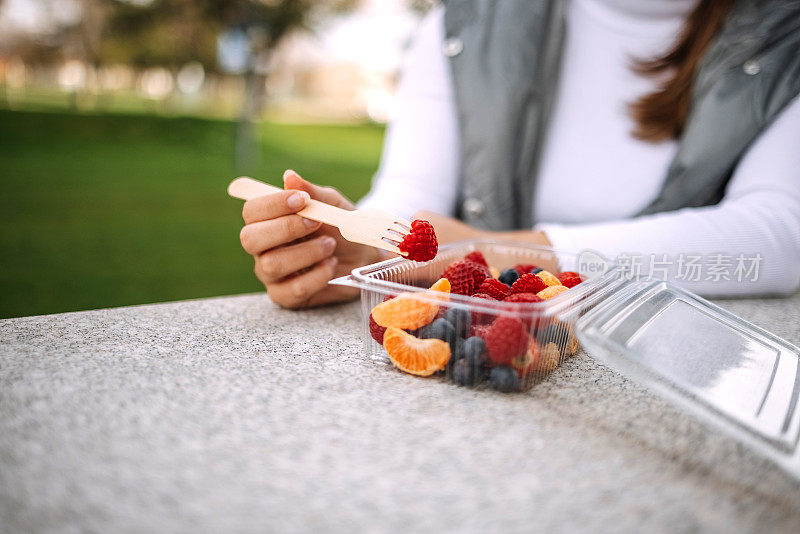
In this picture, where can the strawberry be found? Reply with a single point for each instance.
(506, 339)
(528, 283)
(477, 257)
(570, 279)
(465, 276)
(494, 288)
(420, 243)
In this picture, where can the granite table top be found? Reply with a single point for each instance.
(231, 414)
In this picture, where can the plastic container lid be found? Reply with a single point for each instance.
(725, 370)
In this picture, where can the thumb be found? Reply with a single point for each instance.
(328, 195)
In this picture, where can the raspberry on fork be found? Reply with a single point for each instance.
(420, 243)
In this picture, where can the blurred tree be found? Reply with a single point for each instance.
(173, 32)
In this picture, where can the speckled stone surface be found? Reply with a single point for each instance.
(230, 414)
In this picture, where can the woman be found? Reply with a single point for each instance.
(666, 128)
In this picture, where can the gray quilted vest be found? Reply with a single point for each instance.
(505, 54)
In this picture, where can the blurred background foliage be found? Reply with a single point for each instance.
(121, 123)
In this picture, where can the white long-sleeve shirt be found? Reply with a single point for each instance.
(594, 176)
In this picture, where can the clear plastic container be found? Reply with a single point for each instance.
(726, 371)
(550, 324)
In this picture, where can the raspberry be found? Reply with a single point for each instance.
(479, 330)
(420, 243)
(477, 257)
(495, 289)
(506, 339)
(376, 330)
(550, 292)
(525, 298)
(524, 268)
(481, 317)
(465, 276)
(548, 278)
(528, 283)
(570, 278)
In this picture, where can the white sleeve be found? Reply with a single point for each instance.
(758, 218)
(420, 162)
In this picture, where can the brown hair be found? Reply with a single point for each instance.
(662, 114)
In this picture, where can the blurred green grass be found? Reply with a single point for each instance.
(107, 210)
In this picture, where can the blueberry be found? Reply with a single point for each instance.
(465, 374)
(504, 379)
(460, 318)
(537, 270)
(509, 276)
(440, 329)
(473, 350)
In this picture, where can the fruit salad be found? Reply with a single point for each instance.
(428, 333)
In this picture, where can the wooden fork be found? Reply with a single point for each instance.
(371, 227)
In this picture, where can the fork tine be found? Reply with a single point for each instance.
(399, 228)
(380, 243)
(394, 234)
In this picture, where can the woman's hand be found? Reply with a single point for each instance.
(296, 257)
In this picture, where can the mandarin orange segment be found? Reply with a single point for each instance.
(442, 285)
(550, 292)
(421, 357)
(549, 278)
(411, 310)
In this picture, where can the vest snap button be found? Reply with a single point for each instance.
(474, 207)
(751, 67)
(452, 46)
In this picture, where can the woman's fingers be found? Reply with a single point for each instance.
(258, 237)
(273, 205)
(328, 195)
(298, 291)
(284, 261)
